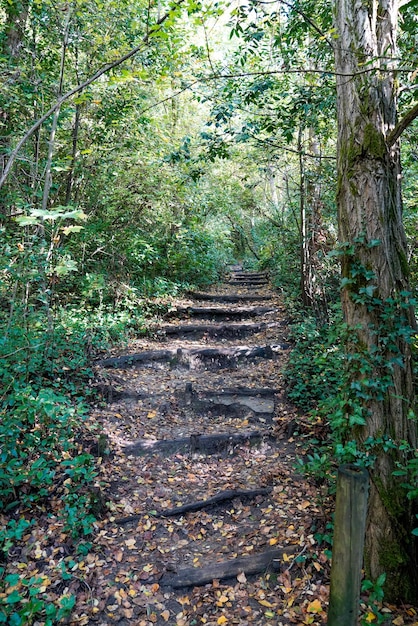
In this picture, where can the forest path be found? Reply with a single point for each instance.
(207, 512)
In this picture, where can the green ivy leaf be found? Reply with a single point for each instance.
(13, 598)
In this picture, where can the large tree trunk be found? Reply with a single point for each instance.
(375, 277)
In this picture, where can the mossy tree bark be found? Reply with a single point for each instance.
(375, 277)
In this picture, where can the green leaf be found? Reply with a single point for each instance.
(26, 220)
(13, 598)
(71, 229)
(12, 579)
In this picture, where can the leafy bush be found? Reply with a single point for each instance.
(315, 371)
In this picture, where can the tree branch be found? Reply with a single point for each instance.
(80, 87)
(310, 22)
(402, 125)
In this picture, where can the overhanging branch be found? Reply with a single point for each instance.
(402, 125)
(78, 88)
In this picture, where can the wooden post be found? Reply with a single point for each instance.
(348, 545)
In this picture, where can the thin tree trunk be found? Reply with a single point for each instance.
(375, 275)
(51, 143)
(304, 256)
(70, 178)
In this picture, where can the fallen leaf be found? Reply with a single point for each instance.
(314, 607)
(165, 615)
(222, 620)
(242, 578)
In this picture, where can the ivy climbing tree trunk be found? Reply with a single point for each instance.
(375, 279)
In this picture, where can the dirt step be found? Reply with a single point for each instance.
(248, 283)
(199, 505)
(198, 331)
(194, 358)
(201, 312)
(224, 297)
(223, 443)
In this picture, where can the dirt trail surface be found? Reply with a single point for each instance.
(209, 522)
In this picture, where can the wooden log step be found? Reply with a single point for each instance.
(219, 498)
(212, 312)
(213, 330)
(196, 443)
(256, 405)
(191, 507)
(248, 283)
(219, 297)
(188, 393)
(270, 560)
(233, 402)
(193, 357)
(241, 274)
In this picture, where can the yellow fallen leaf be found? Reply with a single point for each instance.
(314, 607)
(266, 603)
(370, 617)
(317, 566)
(165, 615)
(222, 620)
(118, 415)
(269, 614)
(273, 541)
(399, 621)
(286, 559)
(148, 567)
(151, 414)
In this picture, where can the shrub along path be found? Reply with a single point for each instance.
(209, 521)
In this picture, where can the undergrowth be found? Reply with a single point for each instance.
(48, 478)
(321, 381)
